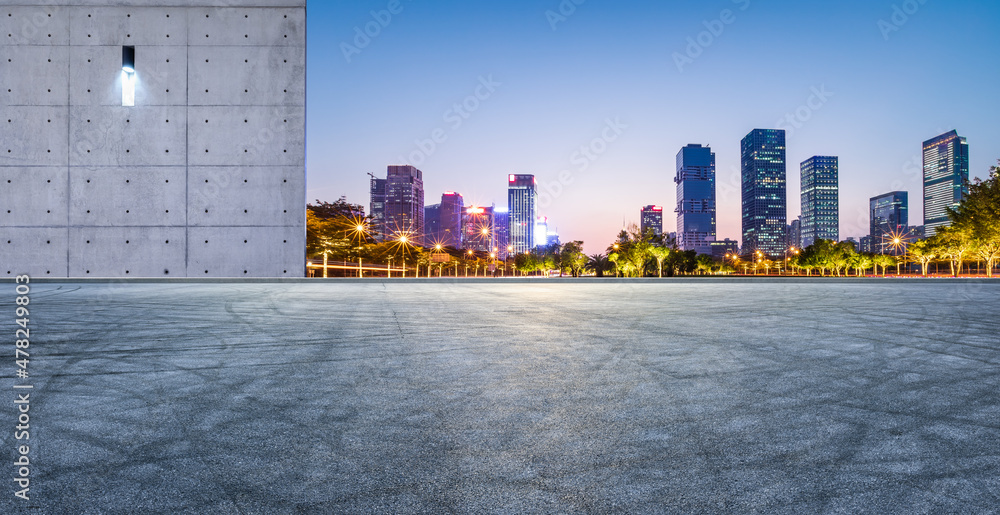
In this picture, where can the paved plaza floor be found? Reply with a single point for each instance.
(544, 396)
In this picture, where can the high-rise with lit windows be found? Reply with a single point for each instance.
(652, 220)
(946, 174)
(820, 200)
(695, 181)
(889, 218)
(404, 203)
(521, 203)
(450, 229)
(765, 209)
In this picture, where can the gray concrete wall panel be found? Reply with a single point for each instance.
(247, 26)
(33, 136)
(48, 251)
(127, 196)
(138, 252)
(247, 252)
(46, 206)
(255, 136)
(34, 25)
(230, 76)
(244, 196)
(162, 81)
(46, 84)
(127, 136)
(117, 26)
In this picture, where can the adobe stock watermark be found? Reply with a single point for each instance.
(563, 11)
(454, 117)
(796, 119)
(900, 15)
(582, 159)
(363, 36)
(713, 30)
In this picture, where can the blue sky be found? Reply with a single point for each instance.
(539, 80)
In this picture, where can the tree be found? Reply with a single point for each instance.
(631, 251)
(572, 258)
(704, 264)
(954, 243)
(884, 261)
(659, 254)
(599, 264)
(340, 208)
(977, 219)
(922, 252)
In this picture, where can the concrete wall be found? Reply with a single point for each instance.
(203, 177)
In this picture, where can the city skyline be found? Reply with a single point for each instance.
(539, 99)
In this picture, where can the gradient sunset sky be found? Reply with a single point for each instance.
(889, 81)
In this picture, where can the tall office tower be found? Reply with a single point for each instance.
(404, 203)
(552, 238)
(794, 237)
(865, 245)
(820, 199)
(478, 229)
(889, 217)
(652, 219)
(452, 207)
(501, 226)
(764, 192)
(695, 181)
(521, 196)
(129, 154)
(377, 207)
(432, 224)
(541, 231)
(946, 173)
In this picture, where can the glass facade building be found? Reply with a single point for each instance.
(450, 232)
(820, 200)
(889, 216)
(765, 211)
(695, 181)
(946, 173)
(377, 206)
(478, 231)
(522, 195)
(652, 219)
(404, 203)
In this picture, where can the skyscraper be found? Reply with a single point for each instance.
(794, 238)
(946, 171)
(521, 196)
(501, 226)
(404, 203)
(450, 233)
(377, 206)
(652, 218)
(820, 200)
(764, 192)
(478, 229)
(889, 215)
(695, 181)
(432, 224)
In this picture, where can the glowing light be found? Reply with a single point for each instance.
(510, 178)
(128, 89)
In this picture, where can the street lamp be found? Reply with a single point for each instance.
(360, 231)
(403, 240)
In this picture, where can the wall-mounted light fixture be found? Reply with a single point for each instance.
(128, 76)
